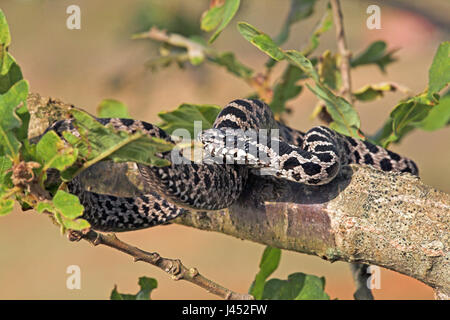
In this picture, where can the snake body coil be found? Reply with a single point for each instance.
(232, 154)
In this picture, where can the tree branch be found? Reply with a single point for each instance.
(365, 215)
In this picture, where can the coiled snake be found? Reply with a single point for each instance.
(314, 157)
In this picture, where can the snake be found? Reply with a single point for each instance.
(245, 139)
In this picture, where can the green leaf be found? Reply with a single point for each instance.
(374, 54)
(21, 132)
(68, 204)
(313, 289)
(439, 115)
(147, 285)
(5, 41)
(115, 295)
(8, 103)
(229, 61)
(298, 286)
(184, 116)
(303, 63)
(51, 152)
(5, 174)
(100, 142)
(46, 206)
(9, 144)
(345, 118)
(287, 88)
(269, 263)
(12, 75)
(212, 18)
(6, 206)
(406, 116)
(299, 10)
(375, 91)
(328, 70)
(439, 73)
(229, 10)
(76, 224)
(384, 136)
(323, 26)
(142, 150)
(261, 40)
(13, 91)
(66, 209)
(110, 108)
(408, 113)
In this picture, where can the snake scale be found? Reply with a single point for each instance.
(313, 158)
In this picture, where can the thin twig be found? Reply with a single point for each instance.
(343, 50)
(173, 267)
(259, 82)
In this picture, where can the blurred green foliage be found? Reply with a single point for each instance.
(166, 16)
(110, 108)
(298, 286)
(146, 285)
(375, 53)
(218, 17)
(270, 261)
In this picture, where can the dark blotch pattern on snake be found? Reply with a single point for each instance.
(314, 157)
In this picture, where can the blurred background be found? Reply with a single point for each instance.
(101, 60)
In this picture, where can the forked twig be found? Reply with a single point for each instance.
(173, 267)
